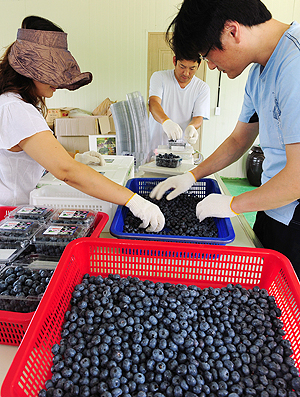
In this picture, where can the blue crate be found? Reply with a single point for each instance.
(201, 189)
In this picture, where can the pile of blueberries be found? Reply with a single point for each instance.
(180, 217)
(132, 338)
(169, 160)
(18, 284)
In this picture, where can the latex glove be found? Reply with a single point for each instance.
(216, 205)
(90, 157)
(148, 212)
(191, 134)
(172, 129)
(180, 184)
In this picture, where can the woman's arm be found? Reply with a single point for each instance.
(47, 151)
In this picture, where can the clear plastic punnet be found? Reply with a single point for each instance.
(32, 212)
(13, 229)
(169, 160)
(74, 216)
(22, 287)
(52, 239)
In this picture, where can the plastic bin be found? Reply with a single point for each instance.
(67, 197)
(13, 325)
(200, 265)
(4, 211)
(201, 189)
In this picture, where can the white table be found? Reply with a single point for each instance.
(244, 237)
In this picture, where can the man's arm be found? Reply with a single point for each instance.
(280, 190)
(156, 110)
(238, 142)
(196, 122)
(227, 153)
(172, 129)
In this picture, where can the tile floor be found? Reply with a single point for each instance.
(237, 186)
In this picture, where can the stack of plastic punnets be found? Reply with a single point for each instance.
(132, 127)
(125, 143)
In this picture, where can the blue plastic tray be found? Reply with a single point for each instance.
(201, 189)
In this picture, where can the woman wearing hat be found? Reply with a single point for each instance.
(31, 69)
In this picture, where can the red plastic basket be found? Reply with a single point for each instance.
(201, 265)
(4, 210)
(13, 325)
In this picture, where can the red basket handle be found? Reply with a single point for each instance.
(101, 221)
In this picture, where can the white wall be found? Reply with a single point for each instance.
(106, 37)
(109, 38)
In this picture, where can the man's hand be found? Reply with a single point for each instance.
(215, 205)
(180, 184)
(191, 134)
(90, 157)
(172, 129)
(148, 212)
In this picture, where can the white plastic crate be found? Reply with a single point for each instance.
(64, 196)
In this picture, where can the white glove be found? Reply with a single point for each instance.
(90, 157)
(216, 205)
(180, 184)
(173, 130)
(191, 134)
(148, 212)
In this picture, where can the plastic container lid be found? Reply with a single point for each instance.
(177, 145)
(11, 250)
(74, 217)
(31, 212)
(186, 153)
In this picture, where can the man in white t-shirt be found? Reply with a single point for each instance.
(178, 101)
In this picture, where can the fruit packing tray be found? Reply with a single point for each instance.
(190, 264)
(13, 325)
(201, 189)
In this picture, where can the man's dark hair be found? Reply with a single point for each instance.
(195, 59)
(198, 25)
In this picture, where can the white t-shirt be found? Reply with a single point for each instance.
(179, 104)
(19, 173)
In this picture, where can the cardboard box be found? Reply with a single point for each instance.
(77, 126)
(74, 144)
(106, 125)
(53, 114)
(73, 132)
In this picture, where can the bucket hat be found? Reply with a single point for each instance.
(43, 56)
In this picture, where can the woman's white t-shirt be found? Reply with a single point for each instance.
(19, 173)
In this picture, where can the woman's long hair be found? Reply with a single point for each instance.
(11, 81)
